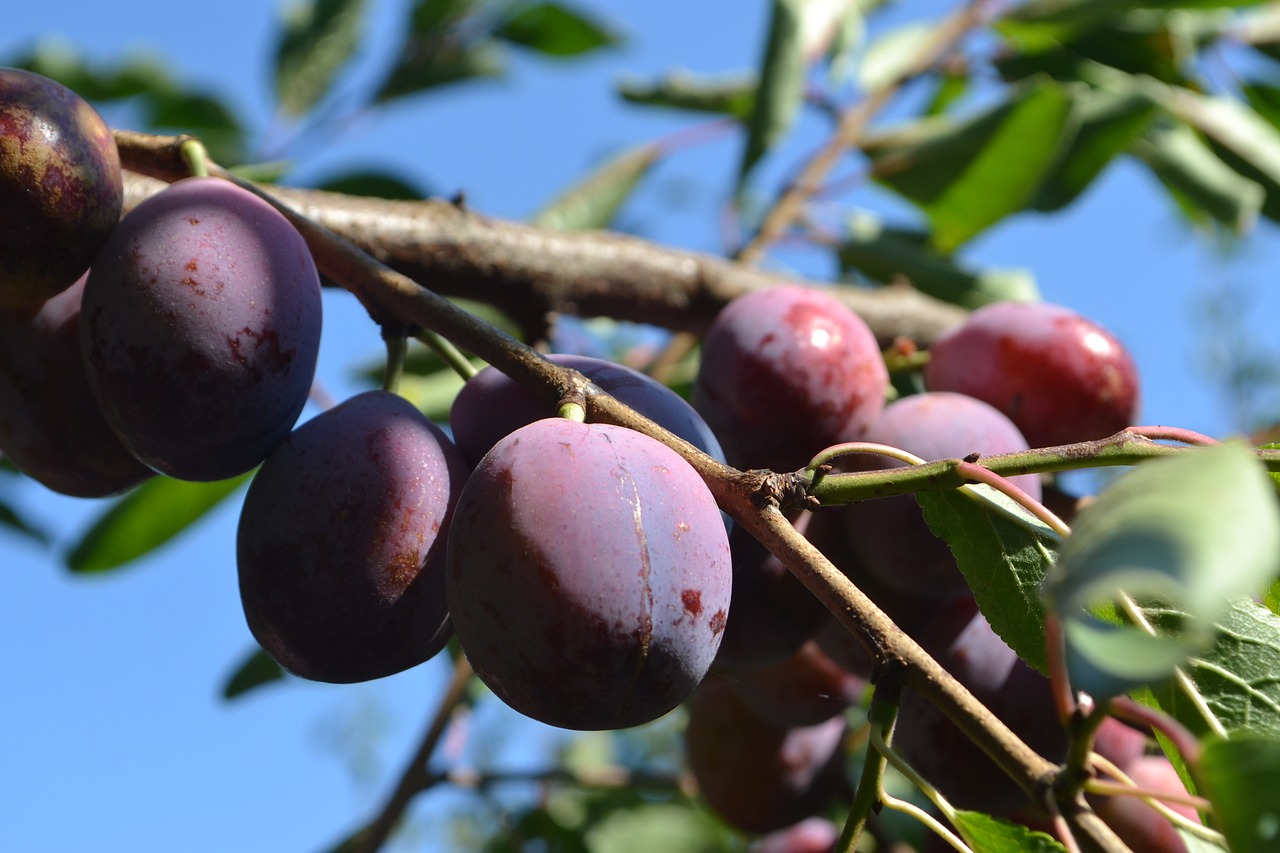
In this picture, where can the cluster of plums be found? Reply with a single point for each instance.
(584, 568)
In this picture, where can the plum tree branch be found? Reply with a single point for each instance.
(534, 273)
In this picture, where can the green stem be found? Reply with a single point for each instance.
(883, 714)
(196, 156)
(572, 411)
(397, 349)
(451, 354)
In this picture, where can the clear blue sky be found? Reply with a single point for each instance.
(112, 735)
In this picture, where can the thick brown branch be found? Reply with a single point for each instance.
(533, 273)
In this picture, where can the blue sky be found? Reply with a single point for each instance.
(112, 734)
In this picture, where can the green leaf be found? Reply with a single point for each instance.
(318, 38)
(1109, 123)
(432, 393)
(555, 30)
(13, 520)
(146, 518)
(782, 80)
(594, 201)
(439, 50)
(1232, 125)
(1004, 555)
(1193, 532)
(256, 669)
(886, 254)
(136, 74)
(1265, 100)
(1271, 598)
(1041, 25)
(1203, 185)
(967, 175)
(204, 115)
(1241, 777)
(987, 834)
(893, 54)
(667, 827)
(1233, 685)
(733, 96)
(373, 183)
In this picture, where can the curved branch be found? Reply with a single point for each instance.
(533, 273)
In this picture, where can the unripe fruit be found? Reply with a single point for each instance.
(588, 574)
(201, 328)
(60, 187)
(340, 546)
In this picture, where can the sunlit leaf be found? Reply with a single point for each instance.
(886, 254)
(1232, 124)
(1194, 532)
(146, 518)
(782, 78)
(1202, 184)
(1004, 554)
(894, 53)
(555, 30)
(727, 95)
(256, 669)
(317, 39)
(968, 174)
(993, 835)
(594, 201)
(1241, 777)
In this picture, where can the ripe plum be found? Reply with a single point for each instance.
(1139, 825)
(1060, 377)
(756, 775)
(60, 187)
(341, 541)
(786, 372)
(492, 405)
(889, 536)
(801, 690)
(50, 425)
(200, 329)
(588, 574)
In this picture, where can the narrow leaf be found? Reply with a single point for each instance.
(317, 40)
(438, 50)
(893, 54)
(145, 519)
(1241, 777)
(1108, 125)
(594, 201)
(1192, 532)
(733, 96)
(1004, 555)
(1231, 124)
(256, 669)
(555, 30)
(968, 175)
(993, 835)
(886, 254)
(14, 521)
(782, 78)
(1202, 184)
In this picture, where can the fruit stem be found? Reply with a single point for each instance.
(196, 156)
(572, 411)
(397, 348)
(883, 714)
(451, 355)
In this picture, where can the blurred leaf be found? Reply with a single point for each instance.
(11, 519)
(967, 175)
(1271, 598)
(1236, 681)
(1193, 532)
(594, 201)
(1040, 25)
(438, 50)
(555, 30)
(949, 88)
(256, 669)
(204, 115)
(993, 835)
(373, 183)
(1108, 124)
(885, 254)
(732, 96)
(1004, 554)
(667, 827)
(1241, 777)
(432, 393)
(128, 77)
(1202, 184)
(1265, 100)
(146, 518)
(892, 55)
(317, 39)
(1232, 125)
(782, 81)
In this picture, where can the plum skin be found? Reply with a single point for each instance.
(786, 372)
(51, 428)
(1061, 377)
(60, 187)
(340, 545)
(588, 574)
(200, 329)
